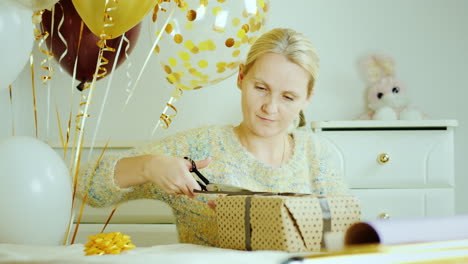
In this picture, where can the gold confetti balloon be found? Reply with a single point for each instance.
(206, 40)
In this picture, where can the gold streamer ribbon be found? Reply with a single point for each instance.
(164, 118)
(167, 119)
(41, 37)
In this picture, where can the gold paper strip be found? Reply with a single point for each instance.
(75, 178)
(77, 224)
(31, 64)
(109, 218)
(12, 112)
(60, 131)
(51, 71)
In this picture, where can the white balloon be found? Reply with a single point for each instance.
(38, 4)
(16, 40)
(35, 193)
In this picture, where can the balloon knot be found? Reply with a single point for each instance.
(80, 86)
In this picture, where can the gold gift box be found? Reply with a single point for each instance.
(286, 222)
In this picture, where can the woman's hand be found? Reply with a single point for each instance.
(172, 174)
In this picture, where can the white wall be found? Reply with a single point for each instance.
(427, 38)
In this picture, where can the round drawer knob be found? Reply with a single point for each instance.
(383, 158)
(384, 216)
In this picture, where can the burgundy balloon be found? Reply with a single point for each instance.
(88, 50)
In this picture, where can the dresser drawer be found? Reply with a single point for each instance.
(416, 159)
(403, 203)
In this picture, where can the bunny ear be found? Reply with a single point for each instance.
(377, 67)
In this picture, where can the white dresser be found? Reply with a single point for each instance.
(396, 168)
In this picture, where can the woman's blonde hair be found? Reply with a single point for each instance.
(296, 47)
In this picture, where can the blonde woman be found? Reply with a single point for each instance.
(260, 154)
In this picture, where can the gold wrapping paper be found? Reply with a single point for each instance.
(288, 222)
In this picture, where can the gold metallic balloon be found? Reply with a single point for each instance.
(206, 40)
(122, 15)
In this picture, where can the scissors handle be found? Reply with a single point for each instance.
(200, 176)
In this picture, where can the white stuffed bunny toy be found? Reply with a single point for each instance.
(386, 95)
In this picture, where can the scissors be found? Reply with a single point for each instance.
(207, 186)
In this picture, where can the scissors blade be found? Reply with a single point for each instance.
(219, 187)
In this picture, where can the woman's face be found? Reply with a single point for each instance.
(274, 90)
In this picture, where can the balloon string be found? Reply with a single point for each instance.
(52, 28)
(129, 65)
(60, 131)
(100, 72)
(64, 42)
(75, 184)
(51, 72)
(104, 100)
(81, 118)
(149, 56)
(80, 121)
(12, 111)
(41, 37)
(85, 196)
(133, 89)
(31, 64)
(75, 66)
